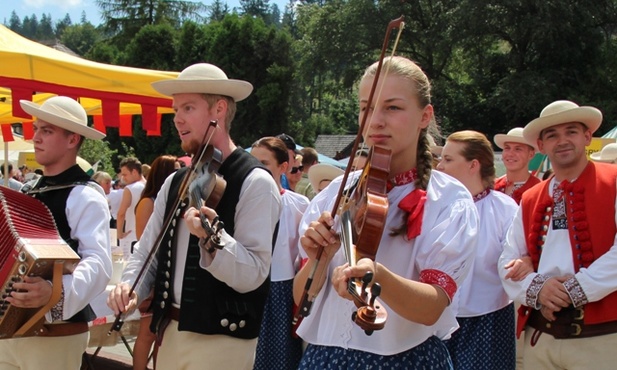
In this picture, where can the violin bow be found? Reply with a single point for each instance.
(306, 302)
(184, 186)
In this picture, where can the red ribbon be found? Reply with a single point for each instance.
(413, 204)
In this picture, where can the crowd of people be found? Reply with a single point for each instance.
(463, 264)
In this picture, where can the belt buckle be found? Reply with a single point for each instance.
(577, 330)
(579, 313)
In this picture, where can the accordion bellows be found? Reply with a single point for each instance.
(30, 245)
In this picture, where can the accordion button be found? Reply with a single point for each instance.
(168, 264)
(173, 222)
(167, 274)
(171, 232)
(162, 304)
(233, 327)
(224, 323)
(169, 253)
(166, 285)
(242, 323)
(165, 295)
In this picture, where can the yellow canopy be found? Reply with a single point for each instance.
(27, 67)
(93, 107)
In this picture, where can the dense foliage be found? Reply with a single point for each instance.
(494, 63)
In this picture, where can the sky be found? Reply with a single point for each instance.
(59, 8)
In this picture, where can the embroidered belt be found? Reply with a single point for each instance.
(569, 324)
(63, 330)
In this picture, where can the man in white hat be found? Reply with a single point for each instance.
(567, 226)
(209, 294)
(517, 153)
(80, 210)
(608, 154)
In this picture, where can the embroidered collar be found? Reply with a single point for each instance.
(483, 194)
(403, 178)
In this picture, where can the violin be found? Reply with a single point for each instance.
(207, 188)
(363, 223)
(203, 186)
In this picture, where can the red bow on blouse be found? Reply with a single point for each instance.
(413, 204)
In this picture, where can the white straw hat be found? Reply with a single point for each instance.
(322, 171)
(513, 136)
(63, 112)
(204, 78)
(562, 111)
(608, 154)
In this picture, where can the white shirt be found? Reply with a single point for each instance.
(136, 189)
(114, 198)
(482, 292)
(243, 264)
(287, 241)
(598, 280)
(88, 216)
(447, 242)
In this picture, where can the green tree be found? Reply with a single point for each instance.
(99, 150)
(124, 18)
(152, 47)
(255, 8)
(80, 37)
(217, 11)
(45, 29)
(62, 25)
(30, 26)
(15, 23)
(245, 48)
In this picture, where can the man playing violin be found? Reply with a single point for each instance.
(208, 297)
(424, 253)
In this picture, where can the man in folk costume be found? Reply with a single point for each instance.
(517, 152)
(81, 214)
(567, 226)
(208, 297)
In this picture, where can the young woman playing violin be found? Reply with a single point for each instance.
(421, 259)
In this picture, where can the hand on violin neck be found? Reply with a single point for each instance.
(193, 219)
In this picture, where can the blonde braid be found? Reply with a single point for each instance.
(424, 161)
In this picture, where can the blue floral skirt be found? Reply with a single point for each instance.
(276, 348)
(485, 342)
(430, 355)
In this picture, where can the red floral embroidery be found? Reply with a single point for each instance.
(441, 279)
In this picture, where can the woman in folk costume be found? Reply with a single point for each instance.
(517, 152)
(424, 252)
(485, 339)
(276, 347)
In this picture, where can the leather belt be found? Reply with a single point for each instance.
(63, 330)
(174, 313)
(569, 324)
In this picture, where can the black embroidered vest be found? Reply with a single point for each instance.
(209, 306)
(55, 200)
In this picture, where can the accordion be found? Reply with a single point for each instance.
(30, 245)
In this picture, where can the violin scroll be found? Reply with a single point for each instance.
(370, 315)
